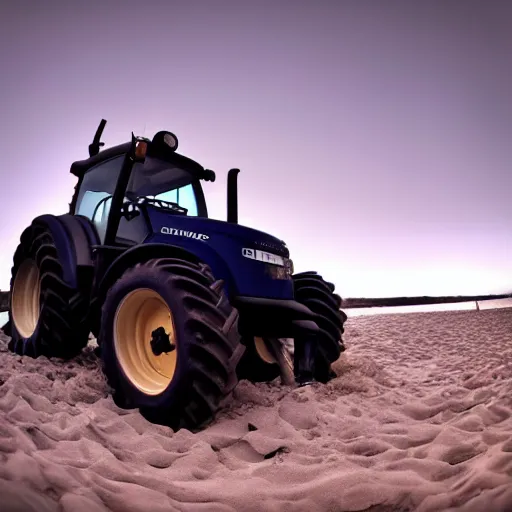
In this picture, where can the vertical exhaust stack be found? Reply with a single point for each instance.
(94, 148)
(233, 196)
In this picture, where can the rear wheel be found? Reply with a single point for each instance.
(46, 315)
(170, 343)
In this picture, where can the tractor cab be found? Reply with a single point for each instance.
(116, 185)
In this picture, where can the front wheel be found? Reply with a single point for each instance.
(318, 295)
(259, 362)
(170, 343)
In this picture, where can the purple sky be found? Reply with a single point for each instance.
(375, 138)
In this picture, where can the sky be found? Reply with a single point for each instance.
(374, 137)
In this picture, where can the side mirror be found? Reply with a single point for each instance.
(208, 175)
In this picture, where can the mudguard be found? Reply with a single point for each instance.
(73, 238)
(147, 251)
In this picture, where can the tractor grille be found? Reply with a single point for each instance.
(273, 248)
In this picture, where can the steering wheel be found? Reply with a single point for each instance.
(167, 206)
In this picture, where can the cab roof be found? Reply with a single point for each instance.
(80, 167)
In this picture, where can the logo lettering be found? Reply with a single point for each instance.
(180, 232)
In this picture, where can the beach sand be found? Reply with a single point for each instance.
(418, 419)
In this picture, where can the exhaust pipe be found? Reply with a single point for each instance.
(233, 196)
(94, 148)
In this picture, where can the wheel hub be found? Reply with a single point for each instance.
(25, 305)
(161, 342)
(145, 340)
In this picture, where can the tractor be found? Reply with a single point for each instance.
(182, 306)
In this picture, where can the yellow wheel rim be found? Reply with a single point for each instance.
(140, 313)
(263, 351)
(25, 304)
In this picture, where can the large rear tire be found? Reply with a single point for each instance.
(170, 342)
(46, 315)
(318, 295)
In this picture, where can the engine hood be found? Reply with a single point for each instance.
(251, 237)
(251, 262)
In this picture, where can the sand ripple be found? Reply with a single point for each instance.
(419, 419)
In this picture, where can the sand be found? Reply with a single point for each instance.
(419, 419)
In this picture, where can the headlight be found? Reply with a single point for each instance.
(289, 266)
(165, 141)
(171, 140)
(276, 272)
(284, 271)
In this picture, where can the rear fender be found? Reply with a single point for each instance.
(73, 239)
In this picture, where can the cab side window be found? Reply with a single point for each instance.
(96, 191)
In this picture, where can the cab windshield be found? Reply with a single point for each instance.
(155, 179)
(160, 180)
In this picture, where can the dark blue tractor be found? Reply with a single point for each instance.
(182, 306)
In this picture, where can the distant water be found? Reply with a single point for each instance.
(485, 304)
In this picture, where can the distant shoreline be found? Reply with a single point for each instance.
(352, 303)
(385, 306)
(361, 302)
